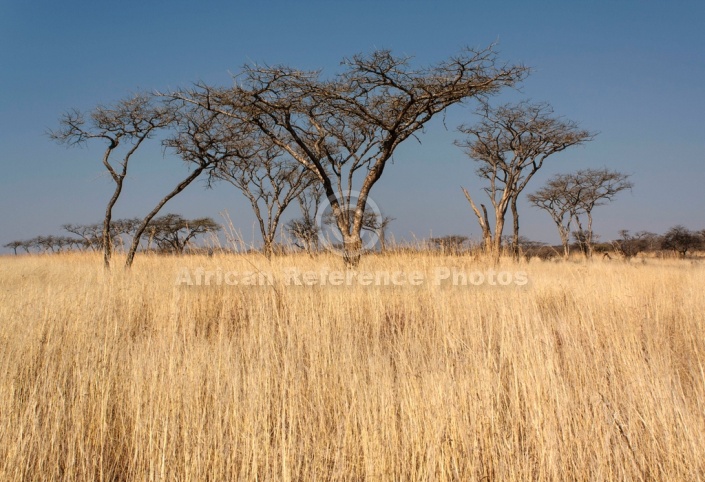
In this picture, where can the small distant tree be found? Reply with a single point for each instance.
(595, 187)
(305, 234)
(681, 240)
(629, 245)
(130, 122)
(304, 229)
(173, 233)
(511, 143)
(13, 245)
(569, 197)
(379, 224)
(43, 243)
(558, 199)
(91, 234)
(451, 244)
(26, 245)
(372, 222)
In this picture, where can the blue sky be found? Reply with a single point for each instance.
(633, 71)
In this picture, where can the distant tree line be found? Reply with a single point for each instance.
(173, 234)
(170, 233)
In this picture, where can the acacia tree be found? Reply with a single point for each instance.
(203, 140)
(129, 122)
(90, 234)
(13, 245)
(630, 245)
(595, 187)
(270, 180)
(557, 198)
(451, 244)
(379, 224)
(173, 233)
(373, 222)
(345, 128)
(569, 197)
(681, 240)
(511, 143)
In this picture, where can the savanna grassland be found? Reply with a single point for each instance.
(589, 371)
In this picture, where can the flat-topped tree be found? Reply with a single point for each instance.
(346, 127)
(173, 233)
(568, 197)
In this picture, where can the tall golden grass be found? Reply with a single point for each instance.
(591, 371)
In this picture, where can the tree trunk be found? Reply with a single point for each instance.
(352, 250)
(566, 242)
(588, 236)
(482, 220)
(496, 250)
(515, 238)
(267, 249)
(140, 230)
(107, 238)
(382, 245)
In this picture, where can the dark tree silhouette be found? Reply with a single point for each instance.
(173, 233)
(13, 245)
(681, 240)
(451, 244)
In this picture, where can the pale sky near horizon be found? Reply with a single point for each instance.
(633, 71)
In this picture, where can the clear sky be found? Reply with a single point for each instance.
(632, 70)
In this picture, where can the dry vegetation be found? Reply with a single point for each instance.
(590, 372)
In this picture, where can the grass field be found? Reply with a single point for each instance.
(588, 371)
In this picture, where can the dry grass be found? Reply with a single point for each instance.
(589, 372)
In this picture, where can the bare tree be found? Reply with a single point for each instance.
(130, 122)
(270, 180)
(594, 187)
(203, 140)
(91, 234)
(558, 198)
(344, 129)
(569, 197)
(378, 224)
(374, 223)
(511, 143)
